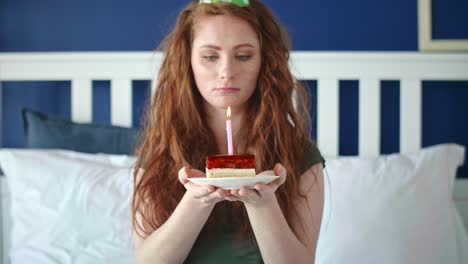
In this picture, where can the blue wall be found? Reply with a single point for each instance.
(31, 25)
(333, 25)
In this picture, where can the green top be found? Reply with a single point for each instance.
(226, 248)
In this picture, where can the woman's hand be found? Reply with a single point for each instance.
(206, 194)
(262, 193)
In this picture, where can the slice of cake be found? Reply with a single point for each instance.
(218, 166)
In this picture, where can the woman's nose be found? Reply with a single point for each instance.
(227, 70)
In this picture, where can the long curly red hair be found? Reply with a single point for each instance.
(175, 132)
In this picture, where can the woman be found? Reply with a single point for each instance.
(219, 55)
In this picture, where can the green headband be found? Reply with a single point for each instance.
(242, 3)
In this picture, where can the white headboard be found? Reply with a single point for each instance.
(410, 68)
(121, 68)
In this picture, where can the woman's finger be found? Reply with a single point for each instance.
(195, 173)
(280, 171)
(199, 191)
(222, 193)
(264, 190)
(268, 172)
(234, 192)
(248, 195)
(183, 175)
(205, 193)
(234, 195)
(213, 197)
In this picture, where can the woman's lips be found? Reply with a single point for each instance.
(226, 90)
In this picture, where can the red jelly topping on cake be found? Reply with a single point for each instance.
(244, 161)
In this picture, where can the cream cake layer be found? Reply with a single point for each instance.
(229, 172)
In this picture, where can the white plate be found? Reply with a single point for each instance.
(233, 183)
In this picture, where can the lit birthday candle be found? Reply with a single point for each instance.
(229, 131)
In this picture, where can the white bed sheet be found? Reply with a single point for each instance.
(71, 207)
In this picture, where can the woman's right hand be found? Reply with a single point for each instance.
(206, 194)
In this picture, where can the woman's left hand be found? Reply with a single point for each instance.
(262, 193)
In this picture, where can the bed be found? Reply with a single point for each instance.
(415, 189)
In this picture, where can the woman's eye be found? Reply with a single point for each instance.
(243, 57)
(210, 58)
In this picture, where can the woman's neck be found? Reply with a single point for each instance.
(216, 119)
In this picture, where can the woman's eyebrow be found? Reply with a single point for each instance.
(210, 46)
(244, 45)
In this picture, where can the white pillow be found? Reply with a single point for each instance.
(393, 209)
(69, 207)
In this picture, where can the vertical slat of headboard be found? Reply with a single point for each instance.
(1, 115)
(121, 102)
(410, 115)
(81, 100)
(3, 255)
(2, 188)
(327, 116)
(369, 117)
(5, 222)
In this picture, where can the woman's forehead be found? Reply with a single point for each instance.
(223, 30)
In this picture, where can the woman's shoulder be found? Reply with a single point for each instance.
(312, 155)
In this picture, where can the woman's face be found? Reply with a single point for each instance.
(225, 60)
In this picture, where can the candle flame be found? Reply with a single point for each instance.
(229, 112)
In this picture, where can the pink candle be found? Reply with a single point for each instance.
(229, 132)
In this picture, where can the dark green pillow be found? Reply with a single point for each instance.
(43, 131)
